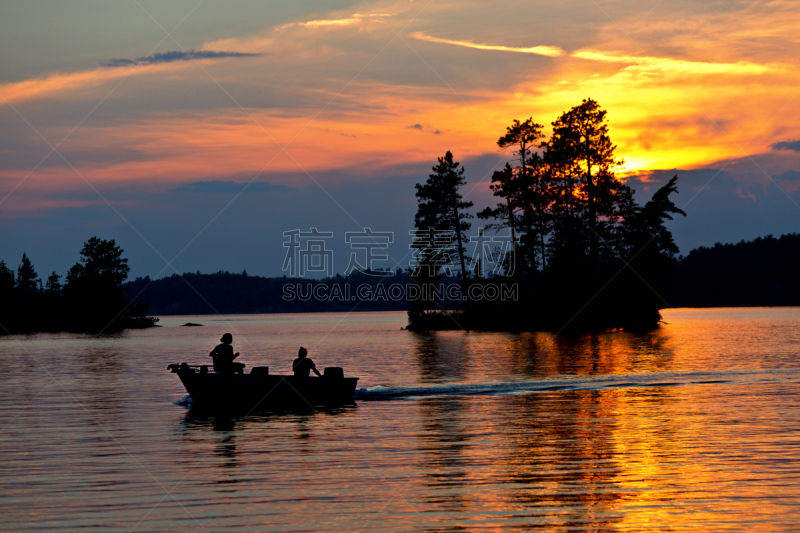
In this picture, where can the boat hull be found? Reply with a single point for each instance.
(266, 391)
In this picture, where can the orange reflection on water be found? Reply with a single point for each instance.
(672, 455)
(691, 426)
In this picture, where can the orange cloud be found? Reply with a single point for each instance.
(75, 83)
(679, 67)
(347, 21)
(550, 51)
(666, 110)
(322, 23)
(60, 83)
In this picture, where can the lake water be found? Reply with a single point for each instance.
(693, 426)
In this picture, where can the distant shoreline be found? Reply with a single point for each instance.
(362, 311)
(758, 273)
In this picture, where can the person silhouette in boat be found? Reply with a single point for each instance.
(223, 355)
(302, 366)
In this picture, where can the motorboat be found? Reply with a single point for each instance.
(260, 389)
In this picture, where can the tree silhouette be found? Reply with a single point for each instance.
(27, 296)
(7, 296)
(101, 263)
(591, 255)
(53, 284)
(522, 135)
(27, 280)
(526, 180)
(583, 152)
(93, 291)
(504, 186)
(441, 208)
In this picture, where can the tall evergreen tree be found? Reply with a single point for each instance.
(537, 198)
(442, 209)
(101, 262)
(27, 280)
(582, 150)
(53, 311)
(526, 182)
(53, 284)
(523, 136)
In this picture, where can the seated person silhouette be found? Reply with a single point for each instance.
(303, 365)
(223, 356)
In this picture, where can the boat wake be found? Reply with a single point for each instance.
(613, 381)
(186, 401)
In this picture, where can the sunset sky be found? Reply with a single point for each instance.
(144, 121)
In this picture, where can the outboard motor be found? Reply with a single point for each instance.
(333, 372)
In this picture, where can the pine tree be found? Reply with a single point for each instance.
(27, 285)
(528, 183)
(93, 292)
(53, 284)
(101, 262)
(442, 212)
(582, 149)
(592, 237)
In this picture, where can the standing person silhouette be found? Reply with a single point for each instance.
(303, 365)
(223, 355)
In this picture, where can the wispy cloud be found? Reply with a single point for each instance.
(175, 55)
(230, 187)
(355, 18)
(321, 23)
(58, 84)
(549, 51)
(374, 15)
(679, 66)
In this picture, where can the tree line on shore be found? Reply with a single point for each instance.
(589, 256)
(750, 273)
(761, 272)
(240, 293)
(91, 299)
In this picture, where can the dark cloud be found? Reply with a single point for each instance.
(694, 178)
(420, 128)
(786, 145)
(230, 187)
(789, 175)
(175, 55)
(723, 205)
